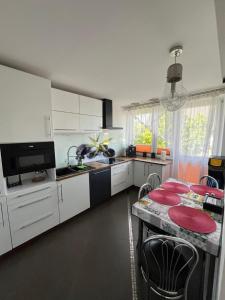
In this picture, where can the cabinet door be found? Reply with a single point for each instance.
(90, 106)
(65, 101)
(139, 173)
(25, 102)
(90, 123)
(155, 168)
(5, 239)
(65, 121)
(74, 196)
(130, 178)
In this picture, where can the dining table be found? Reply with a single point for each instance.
(159, 216)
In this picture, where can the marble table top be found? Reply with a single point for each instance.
(157, 215)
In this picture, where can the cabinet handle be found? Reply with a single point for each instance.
(36, 221)
(29, 193)
(3, 222)
(122, 182)
(96, 173)
(32, 202)
(144, 168)
(61, 193)
(49, 129)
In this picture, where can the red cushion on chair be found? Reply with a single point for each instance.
(164, 197)
(192, 219)
(176, 187)
(204, 189)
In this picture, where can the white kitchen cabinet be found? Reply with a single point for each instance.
(143, 169)
(65, 101)
(32, 212)
(140, 176)
(74, 196)
(121, 177)
(90, 123)
(65, 121)
(5, 238)
(130, 177)
(90, 106)
(25, 102)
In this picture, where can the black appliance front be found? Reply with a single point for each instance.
(216, 169)
(100, 186)
(22, 158)
(131, 151)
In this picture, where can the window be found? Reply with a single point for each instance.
(194, 131)
(150, 128)
(189, 135)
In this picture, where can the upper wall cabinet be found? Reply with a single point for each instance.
(90, 106)
(65, 114)
(65, 101)
(25, 107)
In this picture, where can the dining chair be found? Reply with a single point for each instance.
(143, 191)
(145, 227)
(167, 264)
(209, 181)
(154, 180)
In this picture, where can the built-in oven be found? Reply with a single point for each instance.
(20, 158)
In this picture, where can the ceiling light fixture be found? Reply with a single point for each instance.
(175, 94)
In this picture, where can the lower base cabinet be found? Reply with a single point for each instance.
(143, 169)
(32, 212)
(121, 177)
(74, 196)
(5, 238)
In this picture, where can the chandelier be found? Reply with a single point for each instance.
(175, 94)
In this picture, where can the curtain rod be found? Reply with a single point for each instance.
(194, 95)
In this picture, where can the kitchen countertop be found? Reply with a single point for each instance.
(148, 159)
(97, 165)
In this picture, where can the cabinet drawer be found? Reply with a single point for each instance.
(24, 196)
(34, 227)
(118, 187)
(21, 213)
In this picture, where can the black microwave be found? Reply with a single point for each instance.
(22, 158)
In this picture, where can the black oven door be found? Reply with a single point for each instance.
(27, 157)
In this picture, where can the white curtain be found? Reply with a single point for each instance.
(198, 134)
(192, 133)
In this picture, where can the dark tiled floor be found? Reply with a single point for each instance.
(85, 258)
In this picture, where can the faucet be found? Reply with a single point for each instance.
(68, 154)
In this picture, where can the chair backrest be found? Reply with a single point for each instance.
(167, 264)
(209, 180)
(154, 180)
(144, 190)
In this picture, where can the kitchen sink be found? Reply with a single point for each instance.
(72, 169)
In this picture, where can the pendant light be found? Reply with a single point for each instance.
(175, 94)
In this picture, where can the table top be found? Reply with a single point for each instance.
(157, 215)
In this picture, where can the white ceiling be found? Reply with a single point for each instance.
(111, 48)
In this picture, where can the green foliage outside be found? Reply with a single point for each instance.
(143, 134)
(161, 142)
(193, 134)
